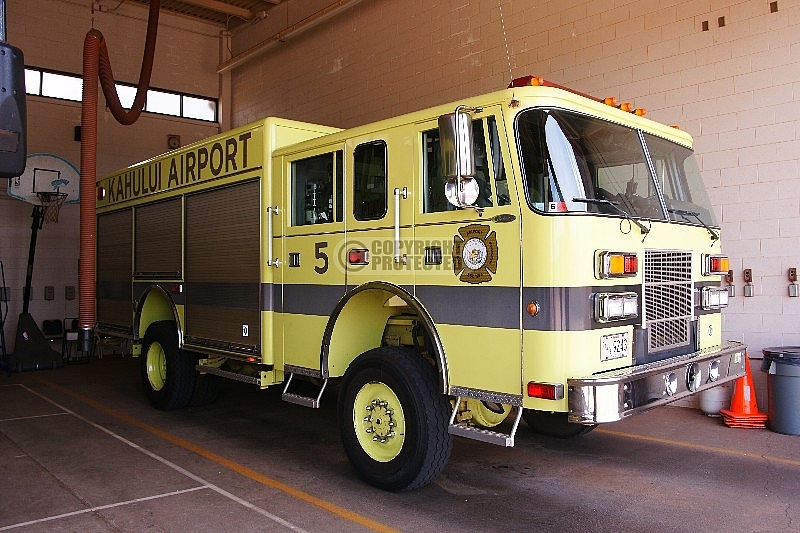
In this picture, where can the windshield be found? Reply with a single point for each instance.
(575, 163)
(679, 178)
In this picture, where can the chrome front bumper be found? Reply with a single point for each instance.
(614, 395)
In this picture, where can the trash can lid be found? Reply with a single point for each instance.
(789, 355)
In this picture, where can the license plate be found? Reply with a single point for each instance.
(614, 346)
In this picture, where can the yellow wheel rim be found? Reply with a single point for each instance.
(483, 416)
(379, 422)
(156, 364)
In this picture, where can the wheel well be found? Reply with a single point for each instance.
(358, 322)
(155, 305)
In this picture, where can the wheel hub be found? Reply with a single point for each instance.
(156, 361)
(379, 421)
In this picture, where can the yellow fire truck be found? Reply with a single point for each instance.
(533, 253)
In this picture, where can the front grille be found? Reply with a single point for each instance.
(667, 298)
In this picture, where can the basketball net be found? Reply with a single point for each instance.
(51, 203)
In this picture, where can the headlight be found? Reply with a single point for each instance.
(714, 297)
(610, 306)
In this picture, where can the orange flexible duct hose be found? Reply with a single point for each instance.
(96, 65)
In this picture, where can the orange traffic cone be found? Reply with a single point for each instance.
(744, 408)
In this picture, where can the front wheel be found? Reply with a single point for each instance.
(393, 421)
(167, 372)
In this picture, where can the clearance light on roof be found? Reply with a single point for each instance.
(527, 81)
(546, 391)
(536, 81)
(617, 265)
(715, 264)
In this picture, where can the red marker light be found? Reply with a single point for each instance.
(358, 256)
(545, 391)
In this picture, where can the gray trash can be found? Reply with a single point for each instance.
(782, 365)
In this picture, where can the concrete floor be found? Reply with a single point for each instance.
(82, 451)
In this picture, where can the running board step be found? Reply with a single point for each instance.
(227, 374)
(484, 435)
(299, 399)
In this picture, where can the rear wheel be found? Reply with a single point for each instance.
(554, 424)
(167, 372)
(206, 389)
(393, 421)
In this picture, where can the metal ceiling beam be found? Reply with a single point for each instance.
(222, 7)
(295, 29)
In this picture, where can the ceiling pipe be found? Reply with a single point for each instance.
(295, 29)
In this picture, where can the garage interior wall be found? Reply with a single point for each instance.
(726, 71)
(50, 34)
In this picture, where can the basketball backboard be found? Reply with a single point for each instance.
(45, 173)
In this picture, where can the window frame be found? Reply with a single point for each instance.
(180, 112)
(379, 214)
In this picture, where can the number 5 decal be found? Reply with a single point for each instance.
(320, 254)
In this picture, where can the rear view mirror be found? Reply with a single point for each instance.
(455, 139)
(458, 158)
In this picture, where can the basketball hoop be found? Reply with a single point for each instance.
(51, 203)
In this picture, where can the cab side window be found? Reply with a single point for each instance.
(316, 186)
(488, 163)
(369, 181)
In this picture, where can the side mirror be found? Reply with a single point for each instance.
(455, 139)
(458, 158)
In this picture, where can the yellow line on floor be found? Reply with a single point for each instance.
(224, 461)
(702, 447)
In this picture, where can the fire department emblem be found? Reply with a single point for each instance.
(475, 253)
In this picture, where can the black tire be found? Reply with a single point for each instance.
(206, 389)
(554, 424)
(168, 373)
(392, 385)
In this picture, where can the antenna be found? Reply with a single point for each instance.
(505, 38)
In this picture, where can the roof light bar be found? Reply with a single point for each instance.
(538, 81)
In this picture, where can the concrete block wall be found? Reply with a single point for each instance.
(51, 34)
(726, 71)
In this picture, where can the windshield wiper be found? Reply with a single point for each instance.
(601, 201)
(685, 213)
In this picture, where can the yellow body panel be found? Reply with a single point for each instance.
(303, 334)
(483, 358)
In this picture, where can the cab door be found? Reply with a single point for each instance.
(379, 219)
(467, 270)
(311, 280)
